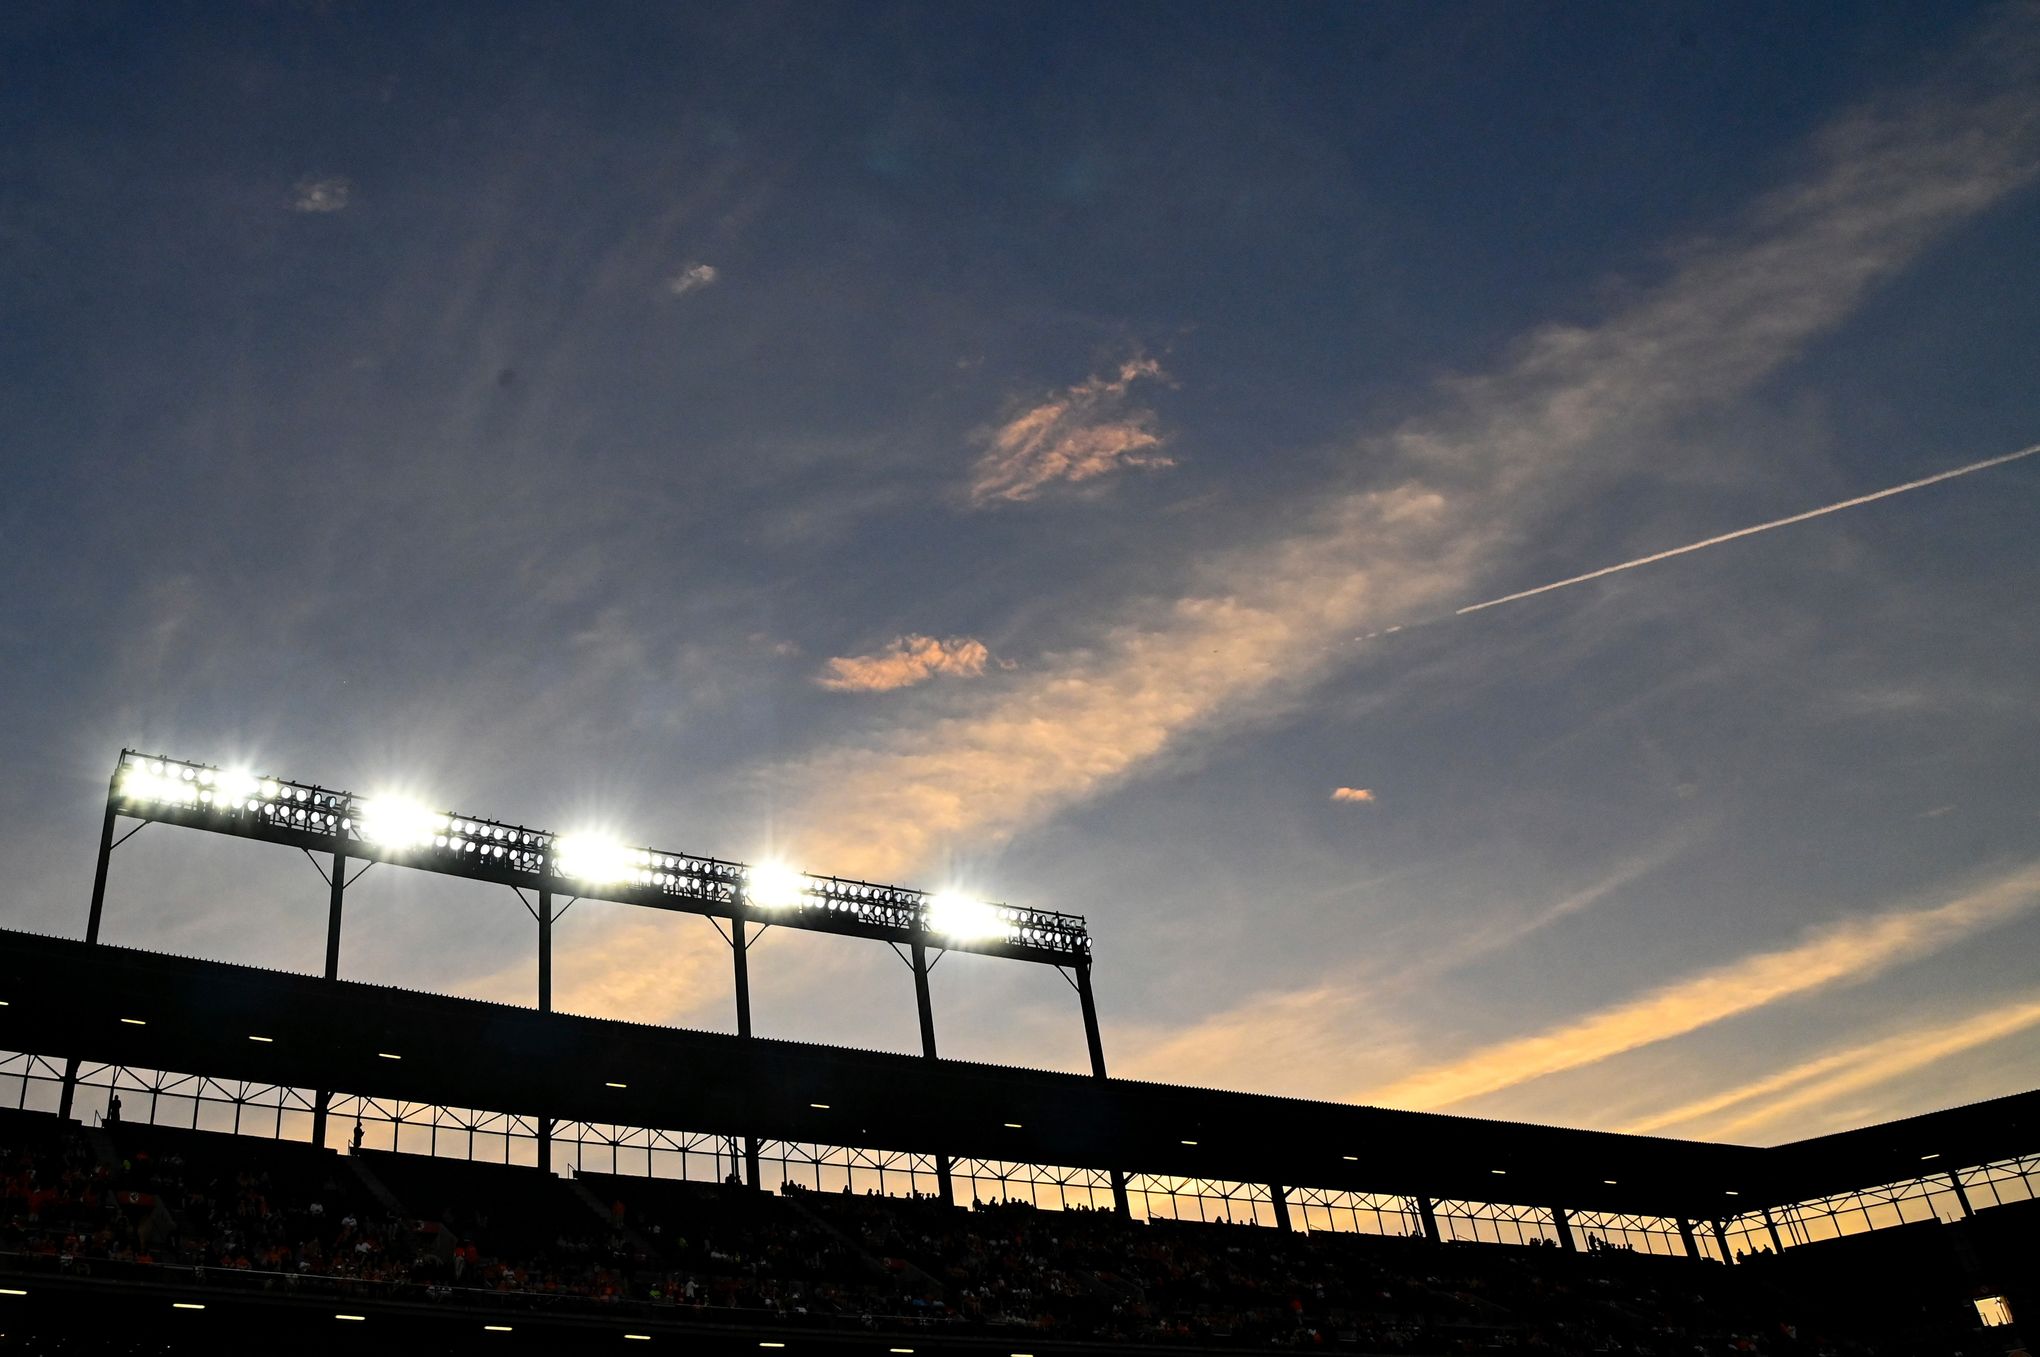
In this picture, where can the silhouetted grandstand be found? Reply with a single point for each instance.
(201, 1214)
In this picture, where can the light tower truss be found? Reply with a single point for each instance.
(371, 829)
(742, 901)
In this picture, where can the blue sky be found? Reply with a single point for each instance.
(990, 445)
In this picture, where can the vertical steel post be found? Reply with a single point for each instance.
(740, 952)
(1721, 1238)
(1427, 1214)
(944, 1183)
(1279, 1196)
(1089, 1004)
(1961, 1196)
(1686, 1233)
(335, 901)
(1777, 1244)
(545, 923)
(1563, 1223)
(68, 1092)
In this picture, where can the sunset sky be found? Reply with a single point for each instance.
(1046, 451)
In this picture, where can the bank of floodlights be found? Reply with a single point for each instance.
(408, 832)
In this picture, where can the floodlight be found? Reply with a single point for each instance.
(963, 919)
(398, 822)
(595, 859)
(151, 782)
(235, 784)
(772, 885)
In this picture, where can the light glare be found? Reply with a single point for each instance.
(964, 919)
(772, 885)
(594, 858)
(398, 822)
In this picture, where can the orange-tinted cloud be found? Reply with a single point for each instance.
(1843, 954)
(1352, 794)
(1088, 431)
(1498, 454)
(907, 661)
(1840, 1072)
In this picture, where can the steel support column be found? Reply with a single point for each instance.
(68, 1092)
(1721, 1238)
(1777, 1244)
(1563, 1223)
(944, 1184)
(740, 951)
(1961, 1196)
(1278, 1196)
(1089, 1004)
(1427, 1214)
(336, 896)
(1686, 1234)
(545, 923)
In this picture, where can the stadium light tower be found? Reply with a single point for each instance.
(406, 832)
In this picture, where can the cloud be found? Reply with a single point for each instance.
(1352, 794)
(321, 193)
(1499, 457)
(1841, 954)
(1840, 1072)
(692, 279)
(907, 661)
(1088, 431)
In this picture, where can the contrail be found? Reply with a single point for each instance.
(1824, 510)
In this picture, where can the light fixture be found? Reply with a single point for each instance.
(1013, 1126)
(1730, 1192)
(185, 1305)
(819, 1107)
(12, 1291)
(266, 1041)
(495, 1328)
(1925, 1157)
(613, 1084)
(136, 1022)
(353, 1317)
(962, 919)
(398, 822)
(235, 786)
(152, 782)
(1189, 1142)
(1350, 1158)
(389, 1055)
(596, 859)
(772, 885)
(1610, 1182)
(1503, 1172)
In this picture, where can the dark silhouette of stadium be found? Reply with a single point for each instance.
(195, 1152)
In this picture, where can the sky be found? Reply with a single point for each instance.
(1056, 453)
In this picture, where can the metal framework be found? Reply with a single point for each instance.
(740, 900)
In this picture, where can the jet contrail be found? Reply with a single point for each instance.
(1751, 531)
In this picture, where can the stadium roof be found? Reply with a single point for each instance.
(150, 1010)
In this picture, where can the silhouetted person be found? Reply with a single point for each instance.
(354, 1145)
(113, 1110)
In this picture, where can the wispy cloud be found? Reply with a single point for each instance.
(1361, 794)
(907, 661)
(1842, 954)
(1813, 1082)
(693, 278)
(1090, 430)
(1500, 454)
(321, 193)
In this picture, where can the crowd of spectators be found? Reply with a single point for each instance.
(290, 1216)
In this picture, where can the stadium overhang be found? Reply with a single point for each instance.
(115, 1005)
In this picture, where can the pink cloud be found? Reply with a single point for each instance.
(1090, 430)
(1352, 794)
(907, 661)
